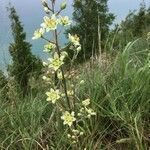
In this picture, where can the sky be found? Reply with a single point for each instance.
(31, 14)
(25, 7)
(122, 7)
(118, 7)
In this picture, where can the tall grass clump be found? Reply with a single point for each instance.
(119, 94)
(122, 98)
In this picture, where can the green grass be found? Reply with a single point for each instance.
(119, 93)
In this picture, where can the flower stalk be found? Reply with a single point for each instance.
(62, 92)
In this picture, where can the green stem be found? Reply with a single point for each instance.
(59, 54)
(63, 76)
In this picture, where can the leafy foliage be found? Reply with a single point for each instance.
(92, 21)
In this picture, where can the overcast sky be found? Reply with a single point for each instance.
(31, 14)
(121, 7)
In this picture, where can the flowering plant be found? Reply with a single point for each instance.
(62, 92)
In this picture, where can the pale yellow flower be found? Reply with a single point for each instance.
(70, 93)
(68, 118)
(46, 78)
(65, 21)
(74, 39)
(49, 47)
(90, 112)
(50, 23)
(86, 102)
(53, 95)
(38, 34)
(56, 62)
(75, 131)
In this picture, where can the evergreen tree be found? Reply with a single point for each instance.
(23, 62)
(92, 21)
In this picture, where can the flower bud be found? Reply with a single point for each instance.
(73, 137)
(68, 135)
(74, 142)
(79, 114)
(77, 77)
(44, 77)
(81, 133)
(45, 64)
(79, 49)
(44, 3)
(72, 85)
(63, 5)
(46, 10)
